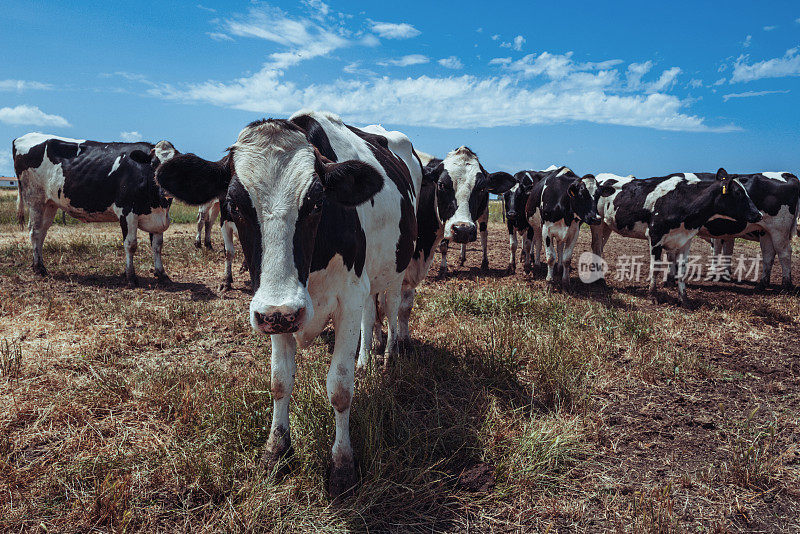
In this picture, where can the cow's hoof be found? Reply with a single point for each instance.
(162, 278)
(669, 282)
(527, 268)
(209, 246)
(484, 265)
(511, 269)
(787, 287)
(133, 283)
(442, 272)
(684, 303)
(244, 268)
(343, 480)
(601, 283)
(39, 269)
(462, 261)
(277, 461)
(225, 286)
(761, 286)
(403, 346)
(197, 244)
(654, 299)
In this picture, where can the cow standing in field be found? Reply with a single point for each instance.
(437, 203)
(206, 215)
(514, 202)
(93, 182)
(472, 185)
(777, 197)
(326, 216)
(669, 211)
(559, 203)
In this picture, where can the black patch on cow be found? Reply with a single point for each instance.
(306, 228)
(193, 179)
(339, 232)
(482, 226)
(316, 135)
(123, 224)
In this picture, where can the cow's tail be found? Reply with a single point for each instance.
(20, 200)
(797, 220)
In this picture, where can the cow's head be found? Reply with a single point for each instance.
(516, 199)
(472, 185)
(583, 194)
(445, 195)
(276, 187)
(160, 153)
(730, 199)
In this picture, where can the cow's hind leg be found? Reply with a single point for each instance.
(201, 222)
(157, 243)
(283, 369)
(211, 216)
(391, 309)
(680, 263)
(550, 256)
(41, 218)
(463, 257)
(340, 378)
(368, 320)
(767, 259)
(129, 225)
(403, 318)
(783, 247)
(512, 244)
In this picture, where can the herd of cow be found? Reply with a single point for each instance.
(341, 223)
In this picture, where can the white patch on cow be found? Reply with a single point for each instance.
(116, 164)
(164, 151)
(778, 176)
(563, 171)
(463, 167)
(668, 185)
(24, 144)
(552, 168)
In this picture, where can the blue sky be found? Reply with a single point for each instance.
(626, 87)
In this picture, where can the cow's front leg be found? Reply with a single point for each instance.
(566, 258)
(403, 318)
(536, 245)
(391, 309)
(157, 243)
(680, 264)
(282, 371)
(655, 255)
(443, 251)
(549, 254)
(463, 257)
(201, 222)
(129, 226)
(230, 252)
(484, 244)
(512, 244)
(343, 476)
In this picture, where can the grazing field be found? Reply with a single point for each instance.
(516, 409)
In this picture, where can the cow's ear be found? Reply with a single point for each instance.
(572, 190)
(140, 157)
(500, 182)
(192, 179)
(606, 190)
(350, 183)
(722, 174)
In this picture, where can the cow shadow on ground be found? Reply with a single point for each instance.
(198, 292)
(418, 428)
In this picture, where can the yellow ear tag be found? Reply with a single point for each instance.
(724, 189)
(572, 193)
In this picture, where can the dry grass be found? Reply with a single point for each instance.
(516, 410)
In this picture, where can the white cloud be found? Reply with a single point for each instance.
(750, 94)
(319, 9)
(30, 116)
(22, 85)
(720, 82)
(797, 20)
(694, 83)
(446, 102)
(204, 8)
(390, 30)
(6, 163)
(665, 81)
(479, 30)
(218, 36)
(451, 62)
(405, 61)
(515, 44)
(355, 68)
(747, 41)
(769, 28)
(788, 65)
(130, 137)
(635, 73)
(500, 61)
(495, 37)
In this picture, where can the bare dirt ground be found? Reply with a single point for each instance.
(517, 410)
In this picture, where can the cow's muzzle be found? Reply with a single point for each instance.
(279, 323)
(464, 233)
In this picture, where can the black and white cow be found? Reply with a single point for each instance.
(93, 182)
(514, 202)
(437, 203)
(669, 211)
(472, 185)
(558, 204)
(326, 216)
(206, 215)
(776, 195)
